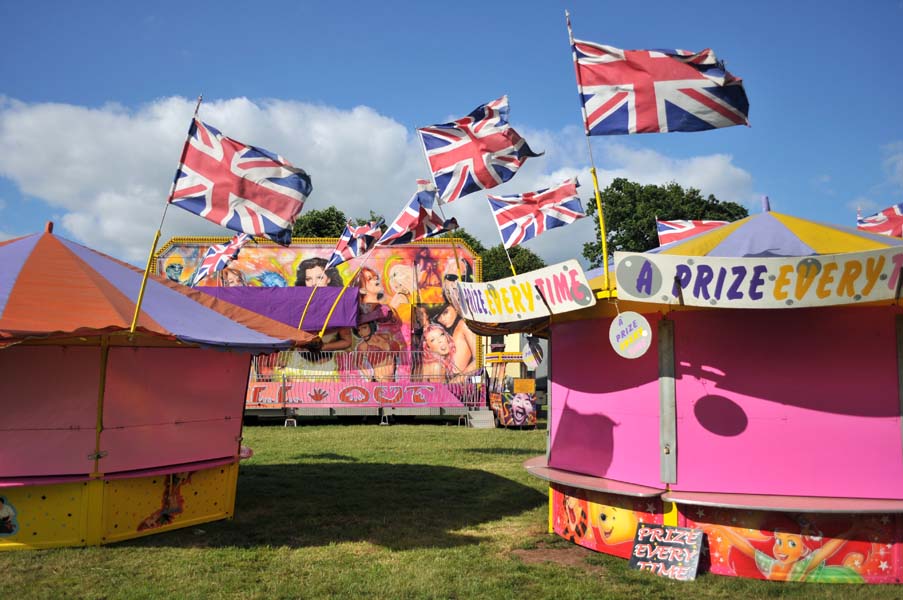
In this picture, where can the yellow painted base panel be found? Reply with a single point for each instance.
(102, 511)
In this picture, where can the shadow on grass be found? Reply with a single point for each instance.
(392, 505)
(324, 456)
(504, 451)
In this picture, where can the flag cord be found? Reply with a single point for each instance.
(592, 163)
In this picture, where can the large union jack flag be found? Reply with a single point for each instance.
(888, 222)
(476, 152)
(672, 231)
(219, 256)
(418, 220)
(355, 241)
(655, 91)
(241, 187)
(521, 217)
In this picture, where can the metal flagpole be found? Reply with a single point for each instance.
(439, 205)
(505, 248)
(150, 257)
(592, 169)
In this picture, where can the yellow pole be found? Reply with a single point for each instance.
(150, 259)
(337, 298)
(306, 306)
(592, 171)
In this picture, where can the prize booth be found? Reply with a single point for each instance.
(106, 434)
(744, 382)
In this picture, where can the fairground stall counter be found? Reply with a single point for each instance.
(108, 435)
(745, 382)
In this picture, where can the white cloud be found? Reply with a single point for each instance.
(108, 170)
(893, 163)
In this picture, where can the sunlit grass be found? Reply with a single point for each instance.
(408, 511)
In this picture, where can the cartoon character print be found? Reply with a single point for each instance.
(572, 522)
(8, 524)
(172, 505)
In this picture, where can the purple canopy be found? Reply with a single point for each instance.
(286, 304)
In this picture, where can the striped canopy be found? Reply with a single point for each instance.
(51, 287)
(774, 234)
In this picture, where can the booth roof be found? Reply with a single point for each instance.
(771, 234)
(51, 287)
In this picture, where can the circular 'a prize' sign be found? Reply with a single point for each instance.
(630, 334)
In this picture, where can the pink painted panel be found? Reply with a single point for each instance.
(166, 406)
(797, 402)
(604, 407)
(48, 387)
(162, 385)
(152, 446)
(48, 403)
(46, 452)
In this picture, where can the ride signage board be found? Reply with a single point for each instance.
(769, 282)
(551, 290)
(671, 552)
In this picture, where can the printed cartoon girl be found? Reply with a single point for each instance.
(795, 556)
(8, 525)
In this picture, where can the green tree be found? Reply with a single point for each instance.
(327, 222)
(631, 210)
(496, 266)
(462, 234)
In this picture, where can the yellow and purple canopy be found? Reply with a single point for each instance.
(51, 287)
(771, 234)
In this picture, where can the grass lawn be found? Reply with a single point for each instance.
(408, 511)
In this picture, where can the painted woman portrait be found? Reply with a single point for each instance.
(465, 354)
(232, 277)
(312, 272)
(438, 354)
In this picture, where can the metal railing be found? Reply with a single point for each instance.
(386, 378)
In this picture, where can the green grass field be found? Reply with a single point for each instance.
(408, 511)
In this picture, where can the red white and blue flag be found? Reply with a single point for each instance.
(672, 231)
(476, 152)
(888, 222)
(355, 241)
(655, 91)
(241, 187)
(418, 220)
(219, 256)
(521, 217)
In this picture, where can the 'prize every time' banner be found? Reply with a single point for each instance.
(783, 282)
(563, 287)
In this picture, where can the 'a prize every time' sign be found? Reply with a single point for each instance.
(561, 288)
(783, 282)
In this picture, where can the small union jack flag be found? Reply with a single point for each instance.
(650, 91)
(476, 152)
(672, 231)
(355, 241)
(418, 220)
(238, 186)
(524, 216)
(219, 256)
(888, 222)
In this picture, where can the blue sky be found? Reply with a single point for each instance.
(95, 99)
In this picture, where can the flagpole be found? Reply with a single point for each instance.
(592, 163)
(150, 256)
(504, 247)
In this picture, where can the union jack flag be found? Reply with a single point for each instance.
(524, 216)
(241, 187)
(889, 221)
(672, 231)
(651, 91)
(355, 240)
(476, 152)
(418, 220)
(219, 256)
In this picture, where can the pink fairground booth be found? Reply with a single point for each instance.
(106, 434)
(766, 412)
